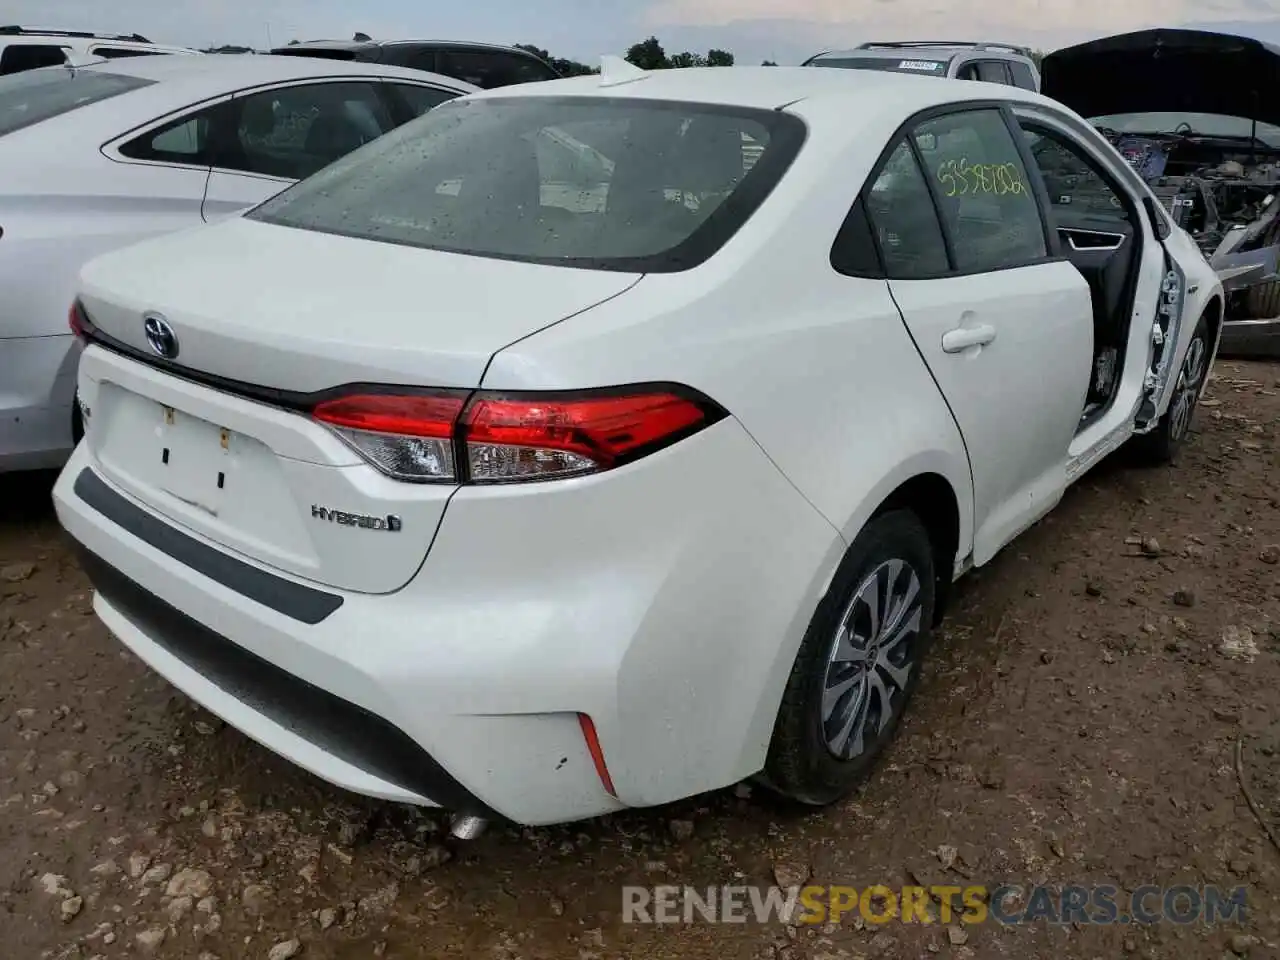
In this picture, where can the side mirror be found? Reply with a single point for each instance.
(1158, 223)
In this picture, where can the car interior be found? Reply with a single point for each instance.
(569, 197)
(1099, 234)
(994, 224)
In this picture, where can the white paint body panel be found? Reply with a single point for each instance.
(666, 598)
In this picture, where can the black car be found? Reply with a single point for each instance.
(482, 64)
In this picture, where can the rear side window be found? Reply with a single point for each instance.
(185, 141)
(34, 96)
(926, 67)
(20, 57)
(621, 184)
(115, 53)
(491, 68)
(1022, 75)
(905, 222)
(983, 190)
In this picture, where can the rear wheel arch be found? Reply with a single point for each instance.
(1214, 314)
(931, 497)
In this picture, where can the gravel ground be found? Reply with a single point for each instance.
(1077, 724)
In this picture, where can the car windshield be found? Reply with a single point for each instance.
(1201, 124)
(591, 182)
(928, 67)
(35, 95)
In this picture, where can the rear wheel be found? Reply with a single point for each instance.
(858, 664)
(1161, 445)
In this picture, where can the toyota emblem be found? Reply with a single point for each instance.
(160, 335)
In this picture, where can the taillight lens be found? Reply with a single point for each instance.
(406, 436)
(484, 437)
(76, 319)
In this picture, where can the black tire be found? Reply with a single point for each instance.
(1162, 444)
(801, 765)
(1262, 300)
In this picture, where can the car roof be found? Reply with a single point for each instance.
(768, 88)
(235, 71)
(370, 44)
(996, 51)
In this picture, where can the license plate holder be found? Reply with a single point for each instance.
(194, 458)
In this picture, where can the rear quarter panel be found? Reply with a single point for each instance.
(817, 367)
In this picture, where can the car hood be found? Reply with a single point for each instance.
(1167, 71)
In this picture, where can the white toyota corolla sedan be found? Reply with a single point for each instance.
(97, 157)
(597, 443)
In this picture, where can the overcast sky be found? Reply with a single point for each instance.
(782, 30)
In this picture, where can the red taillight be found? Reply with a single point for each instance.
(493, 437)
(76, 319)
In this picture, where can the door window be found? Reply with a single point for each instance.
(905, 222)
(491, 68)
(294, 131)
(1074, 184)
(418, 100)
(416, 58)
(984, 192)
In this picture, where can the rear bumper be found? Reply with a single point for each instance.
(37, 391)
(659, 601)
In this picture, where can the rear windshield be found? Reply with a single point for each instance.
(35, 95)
(937, 68)
(601, 183)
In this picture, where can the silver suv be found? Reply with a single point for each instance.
(958, 60)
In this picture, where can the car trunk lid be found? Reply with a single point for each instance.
(217, 438)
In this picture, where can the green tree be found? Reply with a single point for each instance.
(719, 58)
(648, 55)
(687, 59)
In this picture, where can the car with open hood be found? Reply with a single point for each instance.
(1197, 115)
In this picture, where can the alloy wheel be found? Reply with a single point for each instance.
(1187, 389)
(871, 658)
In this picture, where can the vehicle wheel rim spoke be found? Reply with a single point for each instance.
(1184, 398)
(871, 658)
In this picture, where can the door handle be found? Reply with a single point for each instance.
(962, 338)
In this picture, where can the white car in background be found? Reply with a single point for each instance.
(458, 491)
(29, 48)
(101, 156)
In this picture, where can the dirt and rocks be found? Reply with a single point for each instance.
(1078, 724)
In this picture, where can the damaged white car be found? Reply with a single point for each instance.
(1197, 115)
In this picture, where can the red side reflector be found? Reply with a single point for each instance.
(597, 754)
